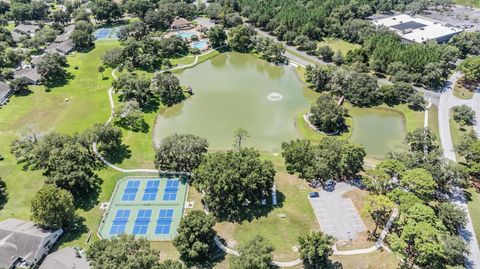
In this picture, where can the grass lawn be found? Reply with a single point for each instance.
(473, 206)
(337, 44)
(468, 3)
(461, 92)
(433, 120)
(457, 131)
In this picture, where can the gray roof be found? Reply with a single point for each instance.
(4, 90)
(16, 36)
(52, 47)
(65, 47)
(29, 73)
(36, 60)
(27, 28)
(65, 258)
(19, 240)
(67, 31)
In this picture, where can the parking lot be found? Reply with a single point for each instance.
(337, 216)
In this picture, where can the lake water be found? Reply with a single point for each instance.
(234, 91)
(380, 131)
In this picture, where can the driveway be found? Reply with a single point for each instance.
(337, 216)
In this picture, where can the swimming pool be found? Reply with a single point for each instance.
(201, 45)
(185, 35)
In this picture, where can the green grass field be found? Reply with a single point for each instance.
(468, 3)
(461, 92)
(473, 206)
(340, 45)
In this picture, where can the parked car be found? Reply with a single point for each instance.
(313, 194)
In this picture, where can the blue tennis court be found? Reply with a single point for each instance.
(142, 221)
(151, 190)
(120, 222)
(164, 221)
(102, 33)
(149, 207)
(131, 190)
(171, 189)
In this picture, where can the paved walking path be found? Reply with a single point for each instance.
(446, 102)
(110, 118)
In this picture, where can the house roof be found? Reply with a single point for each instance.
(65, 258)
(180, 22)
(27, 28)
(16, 36)
(4, 90)
(29, 73)
(52, 47)
(20, 240)
(67, 31)
(66, 47)
(36, 60)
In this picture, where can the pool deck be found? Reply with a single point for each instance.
(137, 204)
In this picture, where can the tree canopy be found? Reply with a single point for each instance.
(53, 207)
(327, 115)
(180, 153)
(315, 250)
(255, 253)
(233, 181)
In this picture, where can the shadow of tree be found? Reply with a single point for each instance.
(257, 210)
(73, 232)
(3, 194)
(90, 197)
(49, 86)
(118, 154)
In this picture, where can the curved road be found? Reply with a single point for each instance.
(447, 101)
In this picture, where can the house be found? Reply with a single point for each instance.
(36, 60)
(26, 29)
(65, 47)
(180, 24)
(416, 30)
(16, 36)
(65, 258)
(23, 244)
(5, 92)
(30, 73)
(67, 31)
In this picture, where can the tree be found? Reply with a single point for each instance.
(420, 244)
(326, 53)
(53, 207)
(138, 8)
(194, 240)
(82, 39)
(129, 116)
(398, 92)
(420, 182)
(240, 135)
(134, 88)
(471, 69)
(464, 115)
(122, 251)
(52, 67)
(360, 89)
(327, 115)
(255, 253)
(233, 179)
(453, 217)
(422, 140)
(181, 153)
(105, 10)
(299, 157)
(467, 43)
(168, 87)
(3, 193)
(113, 58)
(456, 250)
(338, 58)
(240, 38)
(61, 17)
(171, 264)
(101, 69)
(159, 19)
(379, 207)
(319, 76)
(20, 84)
(377, 181)
(392, 167)
(315, 250)
(465, 141)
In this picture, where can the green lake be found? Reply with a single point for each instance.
(234, 91)
(380, 131)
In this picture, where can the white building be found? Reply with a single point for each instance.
(23, 244)
(417, 30)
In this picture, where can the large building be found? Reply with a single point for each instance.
(416, 30)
